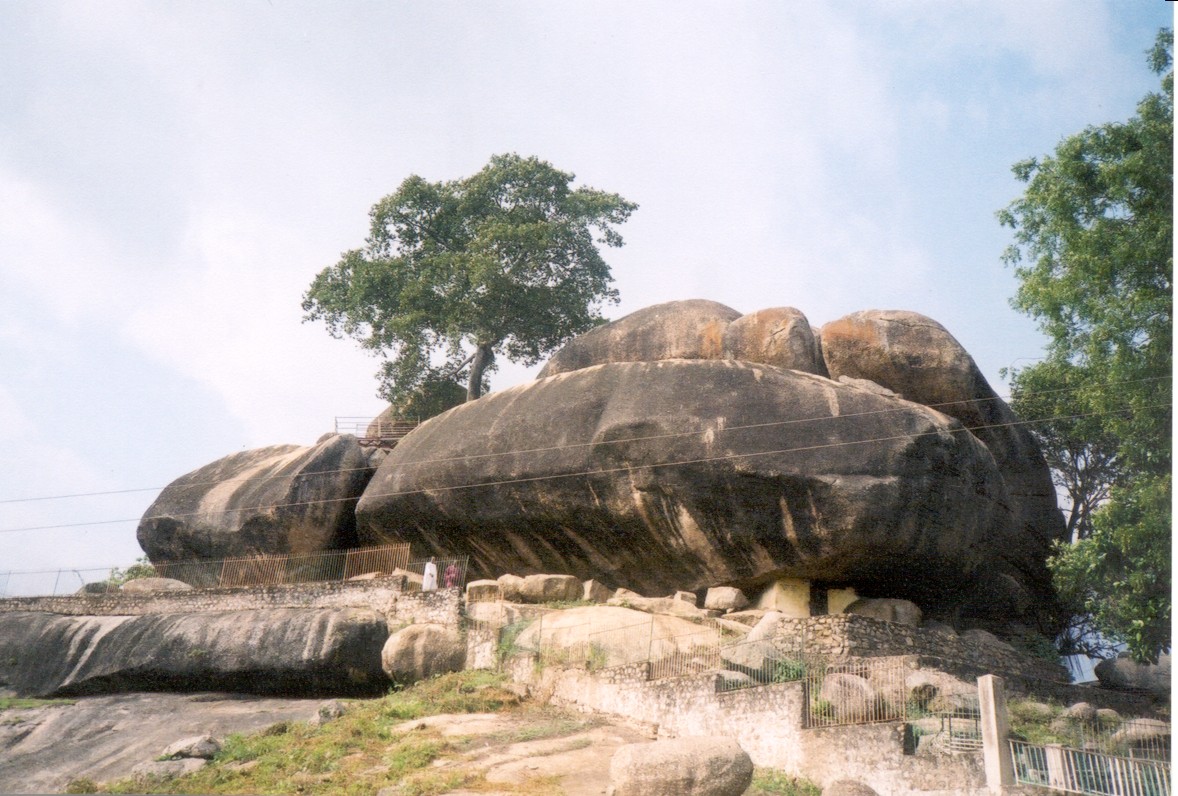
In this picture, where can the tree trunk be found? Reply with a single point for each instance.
(483, 356)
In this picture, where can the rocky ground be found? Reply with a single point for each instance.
(102, 738)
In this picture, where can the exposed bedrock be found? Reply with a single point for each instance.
(685, 474)
(281, 499)
(301, 651)
(917, 358)
(695, 329)
(691, 329)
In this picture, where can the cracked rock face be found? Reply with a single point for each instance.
(686, 446)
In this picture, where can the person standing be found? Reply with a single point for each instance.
(429, 581)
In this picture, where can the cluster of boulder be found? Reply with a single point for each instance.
(684, 446)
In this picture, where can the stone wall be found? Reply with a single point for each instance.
(765, 721)
(861, 636)
(386, 595)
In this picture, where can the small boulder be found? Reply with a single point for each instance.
(692, 766)
(686, 597)
(155, 584)
(903, 612)
(479, 591)
(848, 787)
(202, 746)
(1124, 674)
(749, 617)
(595, 592)
(1108, 716)
(756, 658)
(550, 588)
(766, 627)
(655, 605)
(512, 588)
(778, 336)
(330, 710)
(725, 598)
(1080, 711)
(1143, 732)
(420, 651)
(851, 696)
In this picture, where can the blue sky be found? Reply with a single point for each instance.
(173, 175)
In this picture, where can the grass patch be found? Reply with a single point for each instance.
(18, 703)
(771, 782)
(355, 755)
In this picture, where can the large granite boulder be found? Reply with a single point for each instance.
(779, 336)
(689, 766)
(676, 330)
(684, 474)
(421, 651)
(271, 651)
(696, 329)
(282, 499)
(920, 360)
(1124, 674)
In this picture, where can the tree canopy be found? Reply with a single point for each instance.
(1093, 253)
(503, 263)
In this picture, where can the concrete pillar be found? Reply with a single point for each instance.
(995, 731)
(837, 600)
(790, 596)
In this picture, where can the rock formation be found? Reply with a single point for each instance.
(687, 446)
(272, 651)
(682, 474)
(691, 766)
(282, 499)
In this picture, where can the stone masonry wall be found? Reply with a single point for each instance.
(386, 595)
(765, 721)
(861, 636)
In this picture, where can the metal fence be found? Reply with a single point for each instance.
(372, 430)
(1084, 771)
(249, 571)
(863, 692)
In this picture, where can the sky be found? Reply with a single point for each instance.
(174, 174)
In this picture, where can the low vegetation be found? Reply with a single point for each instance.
(370, 747)
(361, 752)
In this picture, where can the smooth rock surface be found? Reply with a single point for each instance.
(640, 473)
(550, 588)
(779, 336)
(202, 746)
(617, 634)
(690, 766)
(725, 598)
(848, 787)
(281, 499)
(103, 738)
(264, 651)
(1124, 674)
(918, 358)
(692, 329)
(422, 650)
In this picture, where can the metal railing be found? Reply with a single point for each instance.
(1085, 771)
(375, 431)
(864, 692)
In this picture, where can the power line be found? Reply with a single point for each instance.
(770, 424)
(584, 473)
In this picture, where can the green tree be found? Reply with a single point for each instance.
(453, 274)
(1093, 253)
